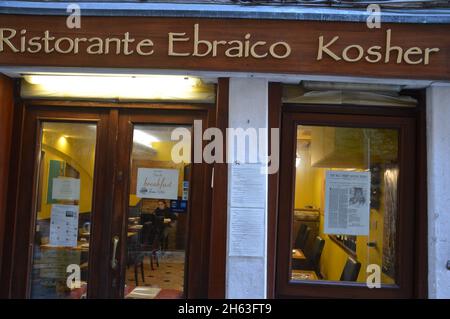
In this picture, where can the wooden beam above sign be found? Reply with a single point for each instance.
(289, 47)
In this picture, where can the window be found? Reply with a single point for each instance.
(346, 208)
(349, 224)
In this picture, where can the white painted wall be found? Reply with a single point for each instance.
(438, 144)
(248, 107)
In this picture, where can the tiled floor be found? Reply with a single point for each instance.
(168, 276)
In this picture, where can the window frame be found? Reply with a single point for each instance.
(351, 116)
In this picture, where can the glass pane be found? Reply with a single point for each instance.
(64, 205)
(158, 210)
(345, 207)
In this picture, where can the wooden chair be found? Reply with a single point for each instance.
(154, 248)
(299, 247)
(302, 236)
(153, 241)
(316, 253)
(351, 270)
(136, 259)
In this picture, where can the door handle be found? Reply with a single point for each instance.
(114, 261)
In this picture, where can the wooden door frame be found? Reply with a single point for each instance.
(16, 263)
(198, 220)
(6, 124)
(24, 205)
(420, 261)
(219, 205)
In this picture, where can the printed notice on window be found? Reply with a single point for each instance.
(157, 183)
(64, 225)
(66, 188)
(347, 203)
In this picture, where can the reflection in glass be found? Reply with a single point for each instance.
(157, 219)
(345, 205)
(64, 204)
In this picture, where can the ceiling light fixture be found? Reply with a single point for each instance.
(145, 139)
(118, 87)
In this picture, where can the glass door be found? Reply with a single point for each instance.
(110, 205)
(157, 214)
(60, 211)
(158, 211)
(64, 210)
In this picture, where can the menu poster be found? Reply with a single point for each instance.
(246, 232)
(66, 188)
(157, 183)
(248, 186)
(347, 203)
(64, 225)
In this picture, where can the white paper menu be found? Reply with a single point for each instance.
(246, 232)
(248, 186)
(64, 225)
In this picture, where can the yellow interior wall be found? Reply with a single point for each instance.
(310, 189)
(134, 200)
(163, 150)
(303, 178)
(333, 257)
(80, 156)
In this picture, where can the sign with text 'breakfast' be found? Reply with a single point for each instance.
(157, 183)
(228, 45)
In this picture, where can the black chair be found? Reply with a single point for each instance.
(316, 253)
(135, 259)
(152, 239)
(155, 245)
(351, 270)
(302, 236)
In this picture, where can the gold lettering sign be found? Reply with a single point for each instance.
(229, 45)
(238, 48)
(127, 45)
(48, 43)
(376, 53)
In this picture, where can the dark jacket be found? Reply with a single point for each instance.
(165, 213)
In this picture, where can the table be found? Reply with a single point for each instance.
(135, 227)
(298, 254)
(81, 245)
(131, 234)
(140, 292)
(304, 275)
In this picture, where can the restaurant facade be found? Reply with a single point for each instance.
(171, 150)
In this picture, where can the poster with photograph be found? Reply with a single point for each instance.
(64, 225)
(157, 183)
(347, 203)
